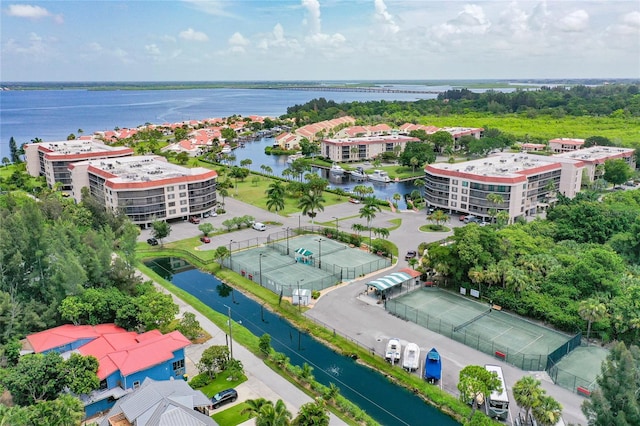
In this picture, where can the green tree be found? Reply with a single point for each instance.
(223, 193)
(615, 400)
(246, 163)
(439, 218)
(275, 196)
(235, 369)
(423, 152)
(228, 134)
(81, 374)
(66, 410)
(13, 148)
(213, 360)
(182, 158)
(548, 411)
(597, 141)
(368, 212)
(189, 326)
(155, 310)
(206, 228)
(591, 310)
(617, 171)
(441, 140)
(37, 377)
(265, 345)
(527, 393)
(310, 202)
(312, 414)
(475, 381)
(160, 230)
(496, 200)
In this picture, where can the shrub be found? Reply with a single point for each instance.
(265, 345)
(200, 381)
(315, 294)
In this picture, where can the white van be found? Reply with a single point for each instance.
(259, 226)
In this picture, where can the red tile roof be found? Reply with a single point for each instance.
(115, 348)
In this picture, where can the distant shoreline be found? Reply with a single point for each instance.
(283, 85)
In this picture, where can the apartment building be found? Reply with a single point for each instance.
(358, 149)
(525, 182)
(594, 156)
(52, 159)
(560, 145)
(146, 188)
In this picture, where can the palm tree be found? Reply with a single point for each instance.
(396, 197)
(527, 393)
(547, 412)
(275, 196)
(502, 218)
(495, 200)
(254, 405)
(439, 218)
(312, 414)
(271, 415)
(358, 227)
(414, 162)
(310, 202)
(368, 211)
(591, 310)
(420, 184)
(246, 163)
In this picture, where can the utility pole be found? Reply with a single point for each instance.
(230, 333)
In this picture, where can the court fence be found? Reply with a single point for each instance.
(528, 362)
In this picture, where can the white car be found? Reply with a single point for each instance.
(259, 226)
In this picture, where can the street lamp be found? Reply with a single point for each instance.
(230, 260)
(287, 241)
(230, 334)
(336, 223)
(319, 252)
(260, 265)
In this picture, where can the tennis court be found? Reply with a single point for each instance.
(481, 326)
(578, 370)
(307, 261)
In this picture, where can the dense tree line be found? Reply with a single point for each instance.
(585, 254)
(605, 100)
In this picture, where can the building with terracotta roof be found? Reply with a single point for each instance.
(594, 156)
(125, 358)
(560, 145)
(52, 159)
(526, 183)
(359, 149)
(146, 188)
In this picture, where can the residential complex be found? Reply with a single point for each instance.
(52, 159)
(560, 145)
(595, 156)
(358, 149)
(525, 182)
(146, 188)
(125, 358)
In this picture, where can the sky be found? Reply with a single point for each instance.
(251, 40)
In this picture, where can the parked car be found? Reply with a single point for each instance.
(410, 255)
(194, 219)
(259, 226)
(462, 218)
(354, 201)
(152, 241)
(205, 240)
(471, 219)
(224, 397)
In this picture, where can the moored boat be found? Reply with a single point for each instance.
(336, 170)
(411, 358)
(392, 354)
(359, 174)
(294, 157)
(380, 176)
(433, 366)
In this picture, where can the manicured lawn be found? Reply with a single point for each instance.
(232, 416)
(221, 382)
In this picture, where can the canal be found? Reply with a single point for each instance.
(386, 402)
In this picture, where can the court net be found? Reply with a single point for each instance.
(474, 319)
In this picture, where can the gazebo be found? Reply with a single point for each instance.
(304, 256)
(384, 284)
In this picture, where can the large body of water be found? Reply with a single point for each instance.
(52, 115)
(387, 403)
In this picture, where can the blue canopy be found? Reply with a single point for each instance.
(389, 281)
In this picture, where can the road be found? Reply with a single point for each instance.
(343, 310)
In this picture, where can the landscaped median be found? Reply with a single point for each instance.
(431, 394)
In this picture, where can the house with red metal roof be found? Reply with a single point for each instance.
(125, 358)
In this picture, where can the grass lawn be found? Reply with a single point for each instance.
(232, 416)
(221, 382)
(434, 228)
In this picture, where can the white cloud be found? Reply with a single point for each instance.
(94, 47)
(237, 43)
(193, 35)
(168, 38)
(277, 40)
(471, 20)
(210, 7)
(32, 12)
(152, 49)
(385, 18)
(313, 12)
(576, 21)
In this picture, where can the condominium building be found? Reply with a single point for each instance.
(52, 159)
(594, 156)
(525, 183)
(560, 145)
(146, 188)
(358, 149)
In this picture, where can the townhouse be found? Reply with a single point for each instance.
(359, 149)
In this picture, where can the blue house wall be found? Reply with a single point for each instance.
(98, 406)
(69, 346)
(162, 371)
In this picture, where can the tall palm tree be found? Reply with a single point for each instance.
(223, 193)
(591, 310)
(527, 393)
(368, 211)
(312, 414)
(396, 197)
(275, 196)
(310, 202)
(495, 200)
(420, 184)
(547, 412)
(254, 405)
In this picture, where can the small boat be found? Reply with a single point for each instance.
(380, 176)
(226, 149)
(294, 157)
(433, 366)
(336, 170)
(359, 174)
(392, 354)
(411, 358)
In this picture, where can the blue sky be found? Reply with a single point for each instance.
(318, 40)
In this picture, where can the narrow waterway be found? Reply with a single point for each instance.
(387, 403)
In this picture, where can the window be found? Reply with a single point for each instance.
(182, 187)
(136, 384)
(453, 204)
(454, 189)
(183, 202)
(183, 210)
(169, 188)
(454, 197)
(178, 365)
(465, 183)
(464, 191)
(454, 181)
(183, 194)
(463, 198)
(171, 196)
(172, 204)
(172, 211)
(463, 206)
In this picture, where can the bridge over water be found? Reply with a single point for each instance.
(355, 89)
